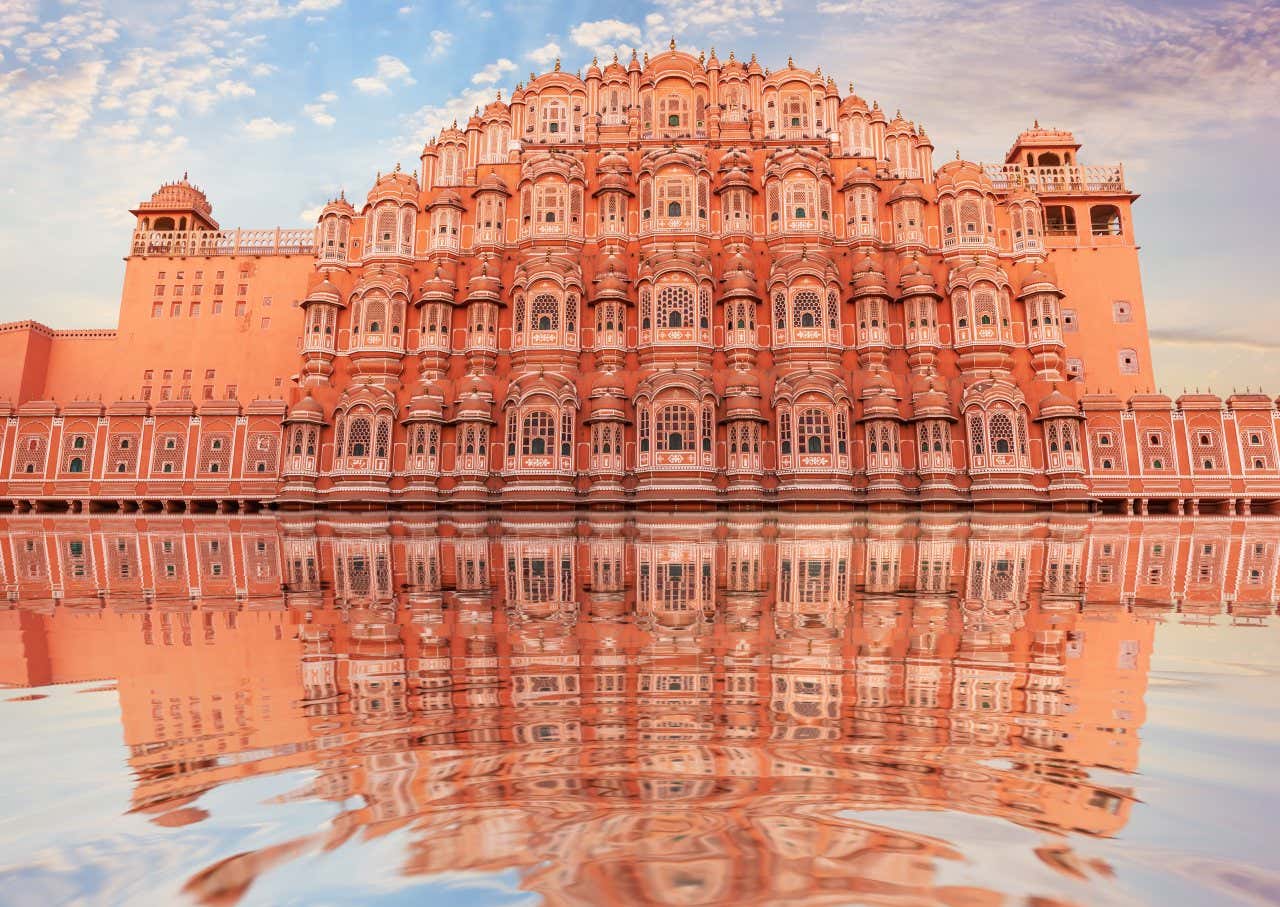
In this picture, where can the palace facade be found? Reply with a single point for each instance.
(676, 280)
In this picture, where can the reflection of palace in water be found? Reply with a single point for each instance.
(649, 708)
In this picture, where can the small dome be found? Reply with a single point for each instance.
(869, 278)
(324, 291)
(903, 190)
(859, 176)
(448, 198)
(492, 183)
(1037, 281)
(1056, 404)
(954, 174)
(441, 286)
(338, 207)
(308, 409)
(914, 278)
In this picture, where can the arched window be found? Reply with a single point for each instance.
(675, 307)
(76, 465)
(537, 433)
(359, 437)
(813, 431)
(675, 428)
(1104, 220)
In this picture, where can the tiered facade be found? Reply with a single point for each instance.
(681, 280)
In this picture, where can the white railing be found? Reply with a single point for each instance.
(225, 242)
(1067, 178)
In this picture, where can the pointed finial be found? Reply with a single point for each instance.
(557, 69)
(531, 77)
(615, 56)
(184, 176)
(646, 58)
(499, 94)
(673, 42)
(595, 61)
(851, 88)
(732, 58)
(397, 170)
(1035, 124)
(702, 58)
(957, 154)
(791, 64)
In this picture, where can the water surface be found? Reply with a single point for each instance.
(639, 709)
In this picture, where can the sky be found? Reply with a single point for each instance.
(272, 106)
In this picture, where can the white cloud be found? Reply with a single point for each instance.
(319, 115)
(229, 89)
(493, 72)
(310, 215)
(265, 128)
(387, 69)
(604, 36)
(392, 69)
(405, 10)
(544, 55)
(441, 41)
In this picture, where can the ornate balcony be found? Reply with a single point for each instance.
(1072, 178)
(224, 242)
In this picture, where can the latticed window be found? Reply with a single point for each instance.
(606, 446)
(806, 310)
(29, 454)
(735, 210)
(675, 307)
(813, 431)
(550, 203)
(1206, 449)
(674, 196)
(1256, 442)
(215, 455)
(382, 440)
(613, 214)
(545, 313)
(1157, 453)
(359, 437)
(675, 428)
(1001, 435)
(537, 433)
(262, 453)
(123, 456)
(167, 453)
(555, 118)
(784, 430)
(77, 452)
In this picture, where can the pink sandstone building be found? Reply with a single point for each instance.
(681, 280)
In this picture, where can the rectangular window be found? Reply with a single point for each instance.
(208, 374)
(242, 290)
(1069, 322)
(185, 393)
(195, 310)
(217, 307)
(160, 275)
(178, 290)
(181, 275)
(221, 274)
(199, 275)
(197, 290)
(217, 289)
(241, 308)
(166, 392)
(266, 323)
(148, 374)
(168, 374)
(146, 393)
(231, 391)
(157, 310)
(176, 310)
(208, 392)
(159, 289)
(186, 374)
